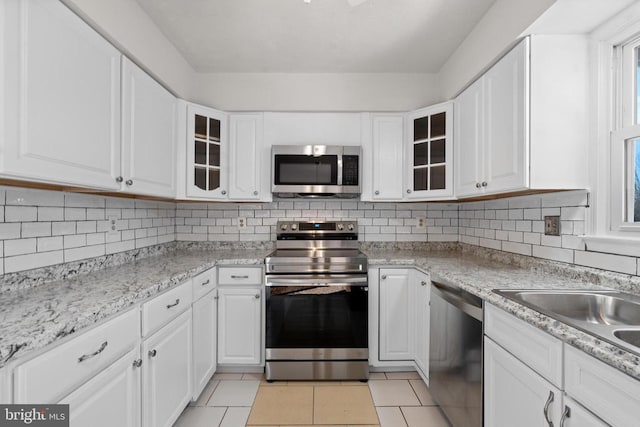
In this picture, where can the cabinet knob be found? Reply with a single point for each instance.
(384, 276)
(377, 193)
(129, 182)
(257, 296)
(478, 185)
(408, 191)
(223, 192)
(255, 193)
(119, 179)
(484, 183)
(152, 353)
(137, 363)
(423, 283)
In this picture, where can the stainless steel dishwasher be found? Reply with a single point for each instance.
(455, 354)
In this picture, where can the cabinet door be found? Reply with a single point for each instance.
(387, 157)
(111, 398)
(397, 315)
(469, 139)
(506, 148)
(575, 415)
(430, 152)
(422, 286)
(239, 325)
(514, 394)
(167, 372)
(206, 153)
(60, 97)
(245, 149)
(205, 317)
(149, 133)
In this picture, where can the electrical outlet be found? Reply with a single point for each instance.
(242, 223)
(421, 223)
(113, 221)
(552, 225)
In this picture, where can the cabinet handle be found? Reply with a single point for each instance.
(216, 297)
(257, 296)
(546, 409)
(384, 277)
(239, 277)
(206, 282)
(408, 191)
(137, 363)
(119, 179)
(152, 353)
(255, 193)
(174, 304)
(478, 185)
(423, 283)
(129, 182)
(484, 183)
(95, 353)
(377, 193)
(566, 414)
(223, 192)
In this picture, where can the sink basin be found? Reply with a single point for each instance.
(612, 316)
(590, 307)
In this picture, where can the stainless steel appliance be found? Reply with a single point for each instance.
(316, 171)
(316, 303)
(455, 354)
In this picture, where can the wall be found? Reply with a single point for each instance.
(40, 228)
(393, 222)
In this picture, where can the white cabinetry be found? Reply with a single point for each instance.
(397, 315)
(240, 315)
(167, 372)
(59, 97)
(388, 131)
(205, 320)
(149, 134)
(575, 415)
(422, 285)
(111, 398)
(429, 149)
(526, 115)
(245, 158)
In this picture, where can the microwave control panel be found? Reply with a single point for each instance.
(350, 170)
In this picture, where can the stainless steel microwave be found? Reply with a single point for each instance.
(316, 171)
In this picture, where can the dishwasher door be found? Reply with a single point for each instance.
(455, 355)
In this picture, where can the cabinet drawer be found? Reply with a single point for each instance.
(239, 276)
(537, 349)
(607, 392)
(203, 283)
(165, 307)
(52, 375)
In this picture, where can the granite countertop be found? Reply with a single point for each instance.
(34, 317)
(479, 276)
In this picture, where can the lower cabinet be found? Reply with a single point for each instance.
(111, 398)
(422, 285)
(397, 315)
(205, 319)
(574, 415)
(167, 372)
(515, 394)
(239, 325)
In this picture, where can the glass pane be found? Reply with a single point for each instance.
(420, 154)
(420, 179)
(637, 94)
(201, 127)
(214, 155)
(214, 130)
(201, 153)
(214, 179)
(437, 177)
(438, 124)
(437, 151)
(201, 178)
(421, 128)
(633, 180)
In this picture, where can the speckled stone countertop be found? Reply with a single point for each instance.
(31, 318)
(481, 274)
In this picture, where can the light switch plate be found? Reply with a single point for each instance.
(552, 225)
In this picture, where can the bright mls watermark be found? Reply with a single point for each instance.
(34, 415)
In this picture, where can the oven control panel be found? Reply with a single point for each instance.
(317, 228)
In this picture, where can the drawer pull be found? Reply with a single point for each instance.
(546, 409)
(152, 353)
(566, 414)
(239, 277)
(95, 353)
(174, 304)
(137, 363)
(206, 282)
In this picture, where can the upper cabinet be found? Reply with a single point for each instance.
(388, 136)
(149, 134)
(206, 138)
(245, 155)
(429, 151)
(526, 116)
(59, 96)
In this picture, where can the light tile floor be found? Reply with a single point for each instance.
(392, 399)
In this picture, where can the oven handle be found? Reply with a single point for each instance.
(317, 281)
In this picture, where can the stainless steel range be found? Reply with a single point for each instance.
(317, 303)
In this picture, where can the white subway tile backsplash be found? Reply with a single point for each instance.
(622, 264)
(20, 213)
(518, 248)
(29, 197)
(50, 213)
(75, 254)
(556, 254)
(36, 229)
(34, 260)
(19, 246)
(46, 244)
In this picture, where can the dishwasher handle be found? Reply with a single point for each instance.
(454, 296)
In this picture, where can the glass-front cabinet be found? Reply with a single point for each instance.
(206, 153)
(429, 152)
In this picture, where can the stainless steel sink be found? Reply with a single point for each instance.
(610, 315)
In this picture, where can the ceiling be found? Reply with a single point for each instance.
(323, 36)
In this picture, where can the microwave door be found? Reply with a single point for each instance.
(306, 170)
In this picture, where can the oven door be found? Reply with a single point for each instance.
(311, 317)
